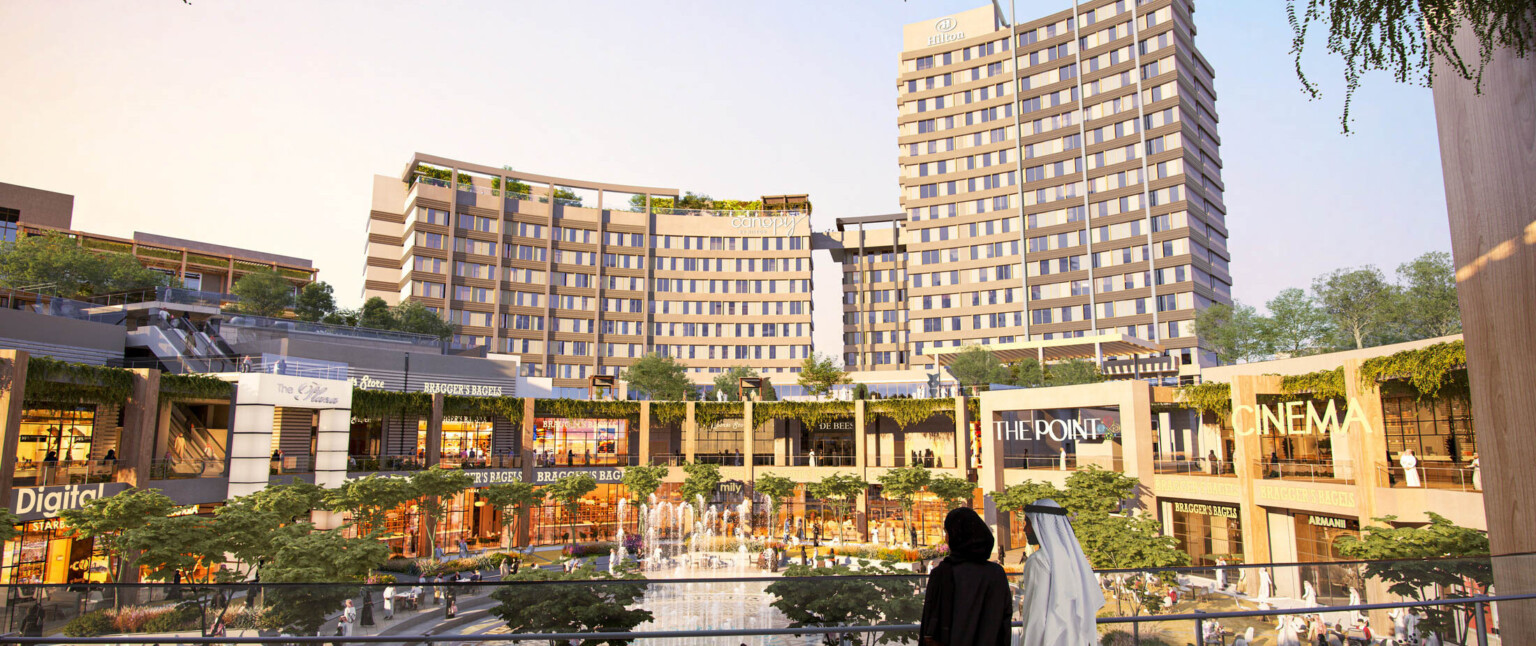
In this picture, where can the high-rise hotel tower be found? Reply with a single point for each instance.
(1065, 184)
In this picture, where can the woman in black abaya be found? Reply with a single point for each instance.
(967, 602)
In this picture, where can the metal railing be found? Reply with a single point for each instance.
(1059, 462)
(934, 461)
(376, 463)
(1200, 467)
(292, 464)
(1321, 470)
(64, 472)
(568, 459)
(1454, 478)
(482, 462)
(726, 213)
(290, 325)
(186, 468)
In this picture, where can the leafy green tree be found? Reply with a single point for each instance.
(702, 479)
(567, 194)
(343, 316)
(819, 373)
(569, 491)
(953, 491)
(57, 264)
(318, 557)
(1234, 332)
(841, 491)
(430, 487)
(1428, 305)
(412, 316)
(1112, 542)
(369, 499)
(108, 519)
(643, 480)
(609, 603)
(729, 382)
(1093, 489)
(511, 498)
(168, 546)
(316, 301)
(292, 502)
(660, 378)
(842, 596)
(249, 532)
(770, 394)
(1013, 498)
(1296, 326)
(8, 523)
(1072, 372)
(977, 366)
(375, 315)
(1027, 373)
(1358, 302)
(902, 485)
(264, 293)
(778, 489)
(1439, 559)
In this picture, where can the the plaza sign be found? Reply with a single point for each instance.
(1300, 418)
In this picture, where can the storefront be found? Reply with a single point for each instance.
(1206, 531)
(61, 444)
(1317, 539)
(889, 524)
(44, 552)
(580, 442)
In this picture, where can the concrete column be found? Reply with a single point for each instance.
(140, 422)
(691, 431)
(524, 521)
(861, 469)
(963, 446)
(331, 457)
(1485, 152)
(250, 448)
(13, 385)
(435, 432)
(1136, 440)
(1248, 458)
(747, 434)
(645, 433)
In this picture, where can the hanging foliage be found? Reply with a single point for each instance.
(1208, 397)
(1323, 384)
(585, 409)
(373, 404)
(182, 387)
(707, 415)
(53, 381)
(509, 408)
(664, 413)
(809, 413)
(972, 408)
(1428, 370)
(906, 412)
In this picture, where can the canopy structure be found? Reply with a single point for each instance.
(1094, 347)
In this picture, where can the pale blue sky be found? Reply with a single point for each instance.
(261, 124)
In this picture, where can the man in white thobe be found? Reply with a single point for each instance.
(1061, 596)
(1410, 468)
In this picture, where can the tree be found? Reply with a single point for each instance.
(657, 377)
(1411, 39)
(291, 502)
(702, 480)
(264, 293)
(430, 486)
(1420, 563)
(902, 485)
(603, 605)
(1072, 372)
(729, 382)
(375, 315)
(1013, 498)
(1234, 332)
(169, 546)
(977, 366)
(777, 489)
(1358, 302)
(840, 491)
(643, 480)
(8, 523)
(413, 317)
(511, 498)
(875, 594)
(1428, 305)
(819, 373)
(249, 533)
(57, 264)
(1028, 373)
(369, 499)
(108, 519)
(953, 491)
(569, 491)
(1296, 326)
(315, 302)
(567, 194)
(327, 558)
(347, 317)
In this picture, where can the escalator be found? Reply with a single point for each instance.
(192, 448)
(181, 347)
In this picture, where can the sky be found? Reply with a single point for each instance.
(261, 124)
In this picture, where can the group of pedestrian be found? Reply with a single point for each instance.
(925, 458)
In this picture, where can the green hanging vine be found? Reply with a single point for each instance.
(1208, 397)
(664, 413)
(809, 413)
(973, 408)
(906, 412)
(586, 409)
(373, 404)
(1428, 370)
(182, 387)
(1323, 384)
(707, 415)
(509, 408)
(53, 381)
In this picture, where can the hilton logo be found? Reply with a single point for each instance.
(944, 26)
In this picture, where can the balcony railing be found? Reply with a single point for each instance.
(567, 459)
(186, 468)
(1199, 467)
(292, 464)
(64, 472)
(1453, 478)
(725, 213)
(1322, 470)
(376, 463)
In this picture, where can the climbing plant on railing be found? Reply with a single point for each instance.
(1208, 397)
(665, 413)
(706, 415)
(972, 408)
(906, 412)
(809, 413)
(182, 387)
(1428, 370)
(372, 404)
(510, 408)
(585, 409)
(54, 381)
(1323, 384)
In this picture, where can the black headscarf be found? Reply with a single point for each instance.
(967, 602)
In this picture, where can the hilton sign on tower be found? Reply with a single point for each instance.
(949, 29)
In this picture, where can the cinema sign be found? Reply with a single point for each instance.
(1301, 418)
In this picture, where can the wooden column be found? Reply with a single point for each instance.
(691, 432)
(141, 414)
(524, 518)
(1488, 157)
(13, 386)
(861, 469)
(1248, 461)
(435, 432)
(644, 450)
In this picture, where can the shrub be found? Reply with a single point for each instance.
(588, 549)
(381, 579)
(90, 624)
(405, 566)
(495, 559)
(172, 620)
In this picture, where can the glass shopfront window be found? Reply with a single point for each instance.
(1317, 538)
(1206, 531)
(1438, 430)
(888, 524)
(464, 440)
(44, 552)
(830, 444)
(580, 442)
(596, 518)
(59, 445)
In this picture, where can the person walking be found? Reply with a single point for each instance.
(389, 602)
(32, 623)
(367, 619)
(967, 599)
(348, 619)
